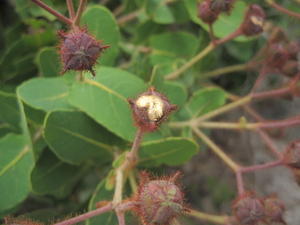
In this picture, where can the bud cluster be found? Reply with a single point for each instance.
(159, 200)
(249, 209)
(150, 109)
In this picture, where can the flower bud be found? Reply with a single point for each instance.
(291, 156)
(248, 209)
(206, 13)
(159, 200)
(222, 5)
(253, 21)
(274, 209)
(79, 50)
(150, 109)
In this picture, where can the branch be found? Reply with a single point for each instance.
(208, 217)
(225, 70)
(283, 10)
(71, 8)
(79, 12)
(53, 12)
(262, 166)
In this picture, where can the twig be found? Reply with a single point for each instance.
(208, 217)
(71, 8)
(225, 70)
(79, 12)
(53, 12)
(283, 10)
(261, 166)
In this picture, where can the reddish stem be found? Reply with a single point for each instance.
(239, 182)
(53, 12)
(79, 12)
(121, 218)
(231, 36)
(270, 94)
(71, 8)
(262, 166)
(284, 10)
(265, 137)
(87, 215)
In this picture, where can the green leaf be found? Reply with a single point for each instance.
(75, 138)
(47, 94)
(167, 47)
(170, 151)
(47, 60)
(16, 163)
(54, 177)
(204, 101)
(10, 114)
(101, 194)
(105, 99)
(101, 22)
(159, 11)
(225, 24)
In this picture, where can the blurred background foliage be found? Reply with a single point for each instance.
(58, 137)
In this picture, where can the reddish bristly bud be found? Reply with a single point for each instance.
(278, 56)
(19, 221)
(159, 200)
(206, 13)
(248, 209)
(79, 50)
(274, 209)
(253, 21)
(222, 5)
(150, 109)
(291, 156)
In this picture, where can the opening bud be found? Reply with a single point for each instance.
(150, 109)
(79, 50)
(207, 13)
(248, 209)
(160, 200)
(274, 209)
(253, 21)
(291, 155)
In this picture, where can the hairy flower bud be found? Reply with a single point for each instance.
(248, 209)
(79, 50)
(206, 13)
(150, 109)
(292, 155)
(222, 5)
(253, 21)
(159, 200)
(274, 209)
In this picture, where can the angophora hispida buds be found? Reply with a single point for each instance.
(150, 109)
(79, 50)
(159, 200)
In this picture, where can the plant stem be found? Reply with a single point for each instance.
(79, 12)
(217, 150)
(128, 17)
(121, 218)
(271, 94)
(231, 36)
(262, 166)
(208, 217)
(53, 12)
(71, 8)
(239, 182)
(283, 10)
(224, 70)
(133, 154)
(87, 215)
(269, 143)
(190, 63)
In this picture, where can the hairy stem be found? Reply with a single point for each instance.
(79, 12)
(216, 149)
(71, 8)
(53, 12)
(87, 215)
(283, 10)
(208, 217)
(225, 70)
